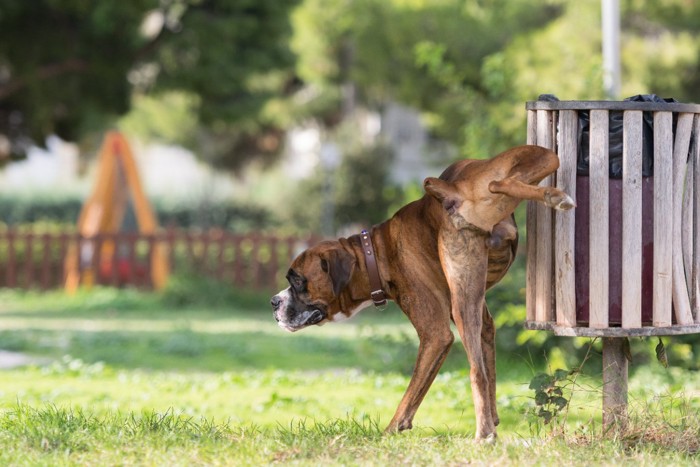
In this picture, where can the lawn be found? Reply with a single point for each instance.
(122, 378)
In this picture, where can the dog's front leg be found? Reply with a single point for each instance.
(464, 257)
(429, 314)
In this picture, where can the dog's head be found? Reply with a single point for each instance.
(317, 278)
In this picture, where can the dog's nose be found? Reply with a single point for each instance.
(276, 301)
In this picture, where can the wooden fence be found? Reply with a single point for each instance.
(37, 260)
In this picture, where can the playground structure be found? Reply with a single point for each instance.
(626, 262)
(117, 205)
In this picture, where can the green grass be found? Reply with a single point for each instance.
(122, 378)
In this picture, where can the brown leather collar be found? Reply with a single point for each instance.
(375, 282)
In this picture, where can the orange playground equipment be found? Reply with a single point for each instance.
(116, 205)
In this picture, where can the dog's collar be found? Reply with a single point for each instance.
(375, 283)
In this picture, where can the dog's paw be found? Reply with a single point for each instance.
(398, 426)
(559, 200)
(486, 439)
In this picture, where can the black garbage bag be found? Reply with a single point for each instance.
(615, 138)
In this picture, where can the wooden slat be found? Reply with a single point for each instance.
(532, 127)
(95, 259)
(531, 229)
(116, 240)
(45, 261)
(612, 105)
(564, 232)
(663, 217)
(206, 241)
(239, 263)
(148, 279)
(598, 223)
(29, 260)
(11, 277)
(130, 248)
(632, 220)
(681, 301)
(695, 275)
(687, 223)
(171, 243)
(543, 307)
(581, 331)
(273, 264)
(220, 262)
(63, 241)
(256, 267)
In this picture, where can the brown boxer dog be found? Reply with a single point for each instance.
(436, 257)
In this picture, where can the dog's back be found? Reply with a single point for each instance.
(503, 243)
(504, 237)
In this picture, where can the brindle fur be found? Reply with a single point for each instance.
(436, 264)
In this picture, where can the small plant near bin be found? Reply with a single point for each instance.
(549, 398)
(554, 391)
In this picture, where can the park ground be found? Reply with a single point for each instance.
(112, 377)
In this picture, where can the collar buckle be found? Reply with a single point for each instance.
(375, 283)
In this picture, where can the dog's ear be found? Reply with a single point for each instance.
(443, 191)
(339, 264)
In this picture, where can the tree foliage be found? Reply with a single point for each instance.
(427, 54)
(67, 66)
(470, 66)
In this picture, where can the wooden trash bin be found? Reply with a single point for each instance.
(630, 261)
(669, 206)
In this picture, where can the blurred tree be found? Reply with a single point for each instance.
(68, 66)
(361, 189)
(428, 54)
(470, 66)
(661, 49)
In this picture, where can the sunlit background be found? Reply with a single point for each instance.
(255, 128)
(232, 103)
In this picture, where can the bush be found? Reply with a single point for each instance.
(23, 211)
(65, 212)
(187, 290)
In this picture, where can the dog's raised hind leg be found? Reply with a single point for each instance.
(549, 196)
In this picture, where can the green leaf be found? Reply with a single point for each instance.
(560, 402)
(541, 381)
(560, 375)
(546, 415)
(541, 398)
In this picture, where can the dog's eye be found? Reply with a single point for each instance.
(324, 265)
(297, 282)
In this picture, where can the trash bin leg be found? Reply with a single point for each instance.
(614, 384)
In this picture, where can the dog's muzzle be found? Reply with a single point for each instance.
(294, 316)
